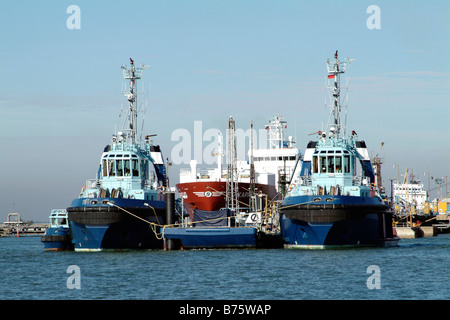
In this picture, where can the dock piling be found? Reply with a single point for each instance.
(170, 244)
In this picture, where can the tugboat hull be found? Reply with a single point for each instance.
(105, 227)
(360, 222)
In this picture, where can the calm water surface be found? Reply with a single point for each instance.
(416, 269)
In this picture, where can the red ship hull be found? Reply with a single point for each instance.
(211, 195)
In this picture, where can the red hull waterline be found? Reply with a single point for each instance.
(211, 195)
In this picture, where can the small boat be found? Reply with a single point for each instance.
(333, 203)
(57, 236)
(222, 230)
(211, 229)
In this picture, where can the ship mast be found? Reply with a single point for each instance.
(232, 177)
(133, 73)
(252, 193)
(334, 127)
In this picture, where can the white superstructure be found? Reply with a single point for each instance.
(410, 194)
(274, 165)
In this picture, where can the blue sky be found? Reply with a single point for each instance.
(60, 90)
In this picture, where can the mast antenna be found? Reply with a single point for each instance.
(133, 74)
(335, 127)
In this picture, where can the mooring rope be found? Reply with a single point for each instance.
(298, 204)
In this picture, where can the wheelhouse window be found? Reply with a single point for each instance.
(330, 164)
(111, 168)
(338, 163)
(105, 167)
(135, 167)
(119, 168)
(346, 164)
(122, 165)
(323, 164)
(315, 164)
(126, 166)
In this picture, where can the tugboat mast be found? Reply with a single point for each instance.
(133, 73)
(335, 124)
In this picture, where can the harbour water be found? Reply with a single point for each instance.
(417, 269)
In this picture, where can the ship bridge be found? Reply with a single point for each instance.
(122, 164)
(127, 172)
(334, 170)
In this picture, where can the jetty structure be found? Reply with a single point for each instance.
(333, 203)
(443, 215)
(15, 226)
(415, 216)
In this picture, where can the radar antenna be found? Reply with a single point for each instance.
(335, 127)
(133, 73)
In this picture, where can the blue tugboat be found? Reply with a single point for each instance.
(125, 205)
(57, 236)
(333, 203)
